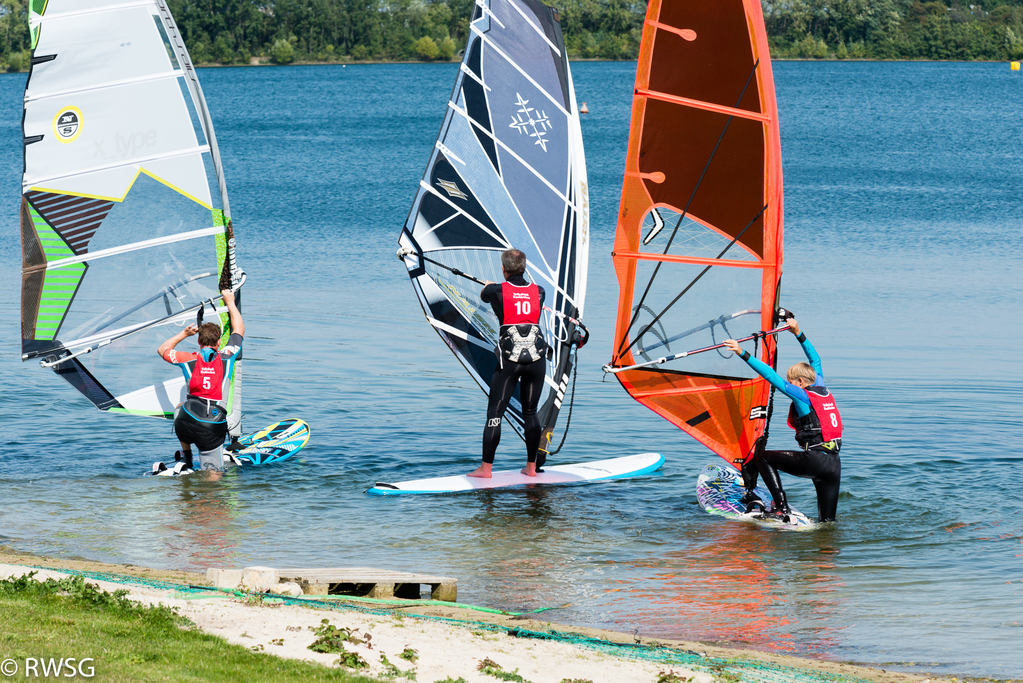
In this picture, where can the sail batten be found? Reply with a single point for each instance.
(34, 97)
(698, 251)
(136, 246)
(507, 170)
(33, 183)
(706, 106)
(521, 71)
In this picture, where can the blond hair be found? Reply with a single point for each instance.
(801, 371)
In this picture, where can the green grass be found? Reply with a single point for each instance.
(492, 668)
(129, 642)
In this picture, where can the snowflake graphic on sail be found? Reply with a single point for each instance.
(528, 117)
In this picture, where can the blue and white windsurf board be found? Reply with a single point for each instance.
(599, 470)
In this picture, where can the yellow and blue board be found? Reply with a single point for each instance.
(275, 443)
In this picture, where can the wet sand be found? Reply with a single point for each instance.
(445, 648)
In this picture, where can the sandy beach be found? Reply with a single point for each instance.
(451, 642)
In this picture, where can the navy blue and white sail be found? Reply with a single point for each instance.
(507, 171)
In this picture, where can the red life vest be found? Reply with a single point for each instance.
(521, 304)
(822, 424)
(207, 379)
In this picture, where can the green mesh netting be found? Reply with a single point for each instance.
(748, 670)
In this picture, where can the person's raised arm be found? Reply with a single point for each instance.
(761, 368)
(811, 353)
(237, 324)
(175, 340)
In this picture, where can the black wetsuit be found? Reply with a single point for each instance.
(201, 422)
(502, 386)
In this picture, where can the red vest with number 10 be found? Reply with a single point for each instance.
(207, 379)
(521, 304)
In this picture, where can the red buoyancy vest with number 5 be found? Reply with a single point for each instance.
(521, 304)
(207, 379)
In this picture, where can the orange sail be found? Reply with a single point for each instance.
(698, 250)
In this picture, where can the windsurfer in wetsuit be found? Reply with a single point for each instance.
(818, 426)
(202, 418)
(521, 358)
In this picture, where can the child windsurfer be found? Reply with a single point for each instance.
(818, 426)
(202, 418)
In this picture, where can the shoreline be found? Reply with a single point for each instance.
(341, 62)
(541, 650)
(371, 62)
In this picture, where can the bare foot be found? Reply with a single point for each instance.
(530, 469)
(481, 472)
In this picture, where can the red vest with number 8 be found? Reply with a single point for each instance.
(521, 304)
(823, 424)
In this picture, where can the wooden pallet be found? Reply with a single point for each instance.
(373, 583)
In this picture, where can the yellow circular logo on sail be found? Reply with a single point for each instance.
(67, 124)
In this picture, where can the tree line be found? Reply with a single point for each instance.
(286, 31)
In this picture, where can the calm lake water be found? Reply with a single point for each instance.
(903, 234)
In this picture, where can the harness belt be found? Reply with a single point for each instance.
(205, 409)
(832, 447)
(521, 344)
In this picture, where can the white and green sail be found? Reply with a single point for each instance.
(125, 223)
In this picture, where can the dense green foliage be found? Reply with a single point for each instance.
(895, 29)
(286, 31)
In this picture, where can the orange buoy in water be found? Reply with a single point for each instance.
(583, 109)
(1014, 66)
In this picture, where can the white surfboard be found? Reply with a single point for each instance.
(599, 470)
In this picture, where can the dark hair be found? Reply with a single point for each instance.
(514, 262)
(209, 335)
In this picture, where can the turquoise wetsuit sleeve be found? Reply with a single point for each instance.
(812, 356)
(799, 398)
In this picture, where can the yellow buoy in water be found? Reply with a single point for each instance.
(1014, 66)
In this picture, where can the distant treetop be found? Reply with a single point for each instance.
(286, 31)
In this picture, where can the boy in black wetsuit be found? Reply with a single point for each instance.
(202, 418)
(818, 426)
(521, 358)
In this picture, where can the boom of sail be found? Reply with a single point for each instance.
(125, 223)
(507, 171)
(698, 249)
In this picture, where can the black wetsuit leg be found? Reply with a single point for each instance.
(502, 387)
(824, 468)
